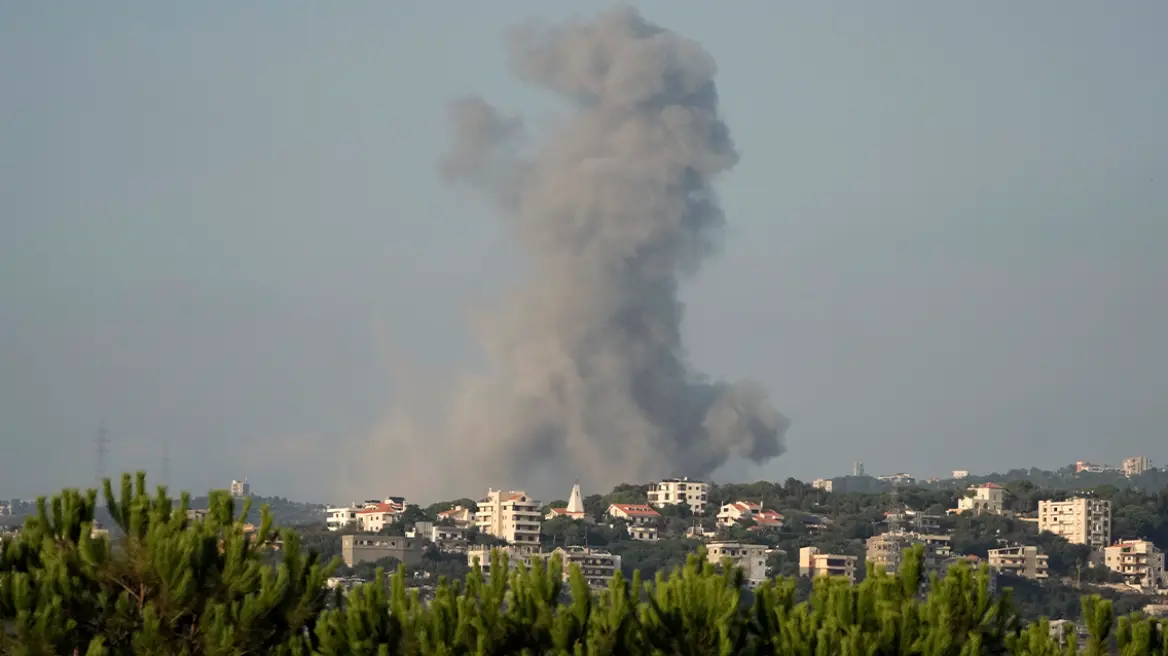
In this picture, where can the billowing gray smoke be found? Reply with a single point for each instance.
(612, 206)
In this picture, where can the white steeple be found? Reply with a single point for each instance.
(575, 502)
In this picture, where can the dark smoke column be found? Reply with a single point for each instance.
(612, 206)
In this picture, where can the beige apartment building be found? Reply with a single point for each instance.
(1079, 521)
(887, 549)
(676, 491)
(512, 516)
(1139, 561)
(1136, 465)
(813, 564)
(750, 557)
(1026, 562)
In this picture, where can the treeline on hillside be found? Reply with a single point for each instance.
(172, 585)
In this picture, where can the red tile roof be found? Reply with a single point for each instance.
(635, 509)
(380, 508)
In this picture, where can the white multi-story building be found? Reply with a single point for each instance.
(1136, 465)
(813, 564)
(1026, 562)
(1139, 561)
(822, 484)
(240, 489)
(750, 557)
(512, 516)
(988, 498)
(676, 491)
(339, 517)
(1079, 521)
(959, 474)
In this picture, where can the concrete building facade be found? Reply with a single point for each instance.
(676, 491)
(812, 563)
(357, 549)
(1080, 521)
(1024, 561)
(750, 557)
(512, 516)
(1139, 562)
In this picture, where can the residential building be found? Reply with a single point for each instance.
(858, 468)
(887, 549)
(813, 564)
(1139, 561)
(960, 474)
(750, 557)
(240, 489)
(340, 517)
(449, 538)
(356, 549)
(1082, 466)
(1024, 561)
(376, 516)
(742, 511)
(737, 511)
(459, 515)
(515, 554)
(897, 479)
(1136, 465)
(512, 516)
(597, 565)
(822, 484)
(640, 519)
(987, 498)
(574, 509)
(675, 491)
(1079, 521)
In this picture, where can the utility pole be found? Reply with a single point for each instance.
(102, 443)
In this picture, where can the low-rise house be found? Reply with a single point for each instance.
(640, 519)
(459, 515)
(750, 557)
(812, 563)
(375, 517)
(742, 511)
(1024, 561)
(988, 498)
(357, 549)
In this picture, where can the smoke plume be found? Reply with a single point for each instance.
(586, 375)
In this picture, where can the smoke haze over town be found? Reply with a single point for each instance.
(364, 246)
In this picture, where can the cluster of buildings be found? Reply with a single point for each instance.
(515, 519)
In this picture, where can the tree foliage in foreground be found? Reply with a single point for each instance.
(175, 586)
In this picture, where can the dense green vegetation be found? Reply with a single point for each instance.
(169, 585)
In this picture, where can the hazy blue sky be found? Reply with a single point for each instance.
(947, 241)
